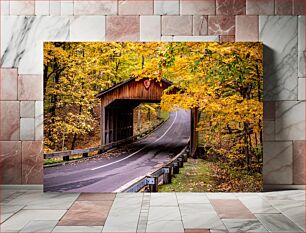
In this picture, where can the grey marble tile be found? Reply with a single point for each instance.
(269, 131)
(192, 198)
(66, 7)
(39, 120)
(279, 35)
(22, 40)
(165, 226)
(196, 38)
(301, 46)
(42, 7)
(55, 8)
(278, 223)
(258, 205)
(39, 226)
(242, 225)
(87, 28)
(5, 7)
(23, 217)
(290, 120)
(167, 213)
(293, 195)
(78, 229)
(166, 7)
(301, 89)
(163, 199)
(9, 210)
(39, 200)
(278, 163)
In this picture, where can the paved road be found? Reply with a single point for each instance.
(107, 175)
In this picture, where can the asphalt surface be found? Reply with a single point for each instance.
(109, 174)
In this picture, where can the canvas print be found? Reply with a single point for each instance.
(153, 117)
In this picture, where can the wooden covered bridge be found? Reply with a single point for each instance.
(118, 102)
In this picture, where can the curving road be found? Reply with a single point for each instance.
(107, 175)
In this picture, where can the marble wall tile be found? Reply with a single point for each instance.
(247, 28)
(166, 7)
(55, 7)
(298, 7)
(260, 7)
(203, 7)
(299, 162)
(42, 7)
(39, 120)
(135, 7)
(5, 7)
(269, 131)
(9, 120)
(196, 38)
(27, 130)
(278, 165)
(30, 87)
(22, 39)
(167, 38)
(122, 28)
(301, 88)
(200, 25)
(221, 25)
(231, 7)
(10, 159)
(150, 28)
(27, 108)
(8, 84)
(177, 25)
(279, 35)
(269, 110)
(22, 7)
(227, 38)
(283, 7)
(32, 162)
(301, 46)
(95, 7)
(290, 120)
(66, 7)
(87, 28)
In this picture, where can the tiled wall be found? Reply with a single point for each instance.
(277, 23)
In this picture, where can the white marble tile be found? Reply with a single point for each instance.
(150, 28)
(167, 38)
(8, 210)
(278, 223)
(87, 28)
(290, 120)
(279, 35)
(196, 38)
(277, 159)
(293, 195)
(66, 8)
(20, 219)
(42, 7)
(5, 7)
(164, 7)
(183, 198)
(22, 39)
(166, 213)
(301, 46)
(55, 8)
(77, 229)
(269, 131)
(239, 225)
(106, 7)
(39, 120)
(27, 108)
(301, 88)
(22, 7)
(39, 226)
(27, 131)
(163, 199)
(165, 226)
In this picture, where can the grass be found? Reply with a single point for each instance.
(193, 177)
(164, 115)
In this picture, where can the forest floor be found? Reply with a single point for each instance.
(200, 175)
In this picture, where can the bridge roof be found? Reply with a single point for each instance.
(104, 92)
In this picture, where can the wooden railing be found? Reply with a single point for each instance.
(65, 155)
(161, 175)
